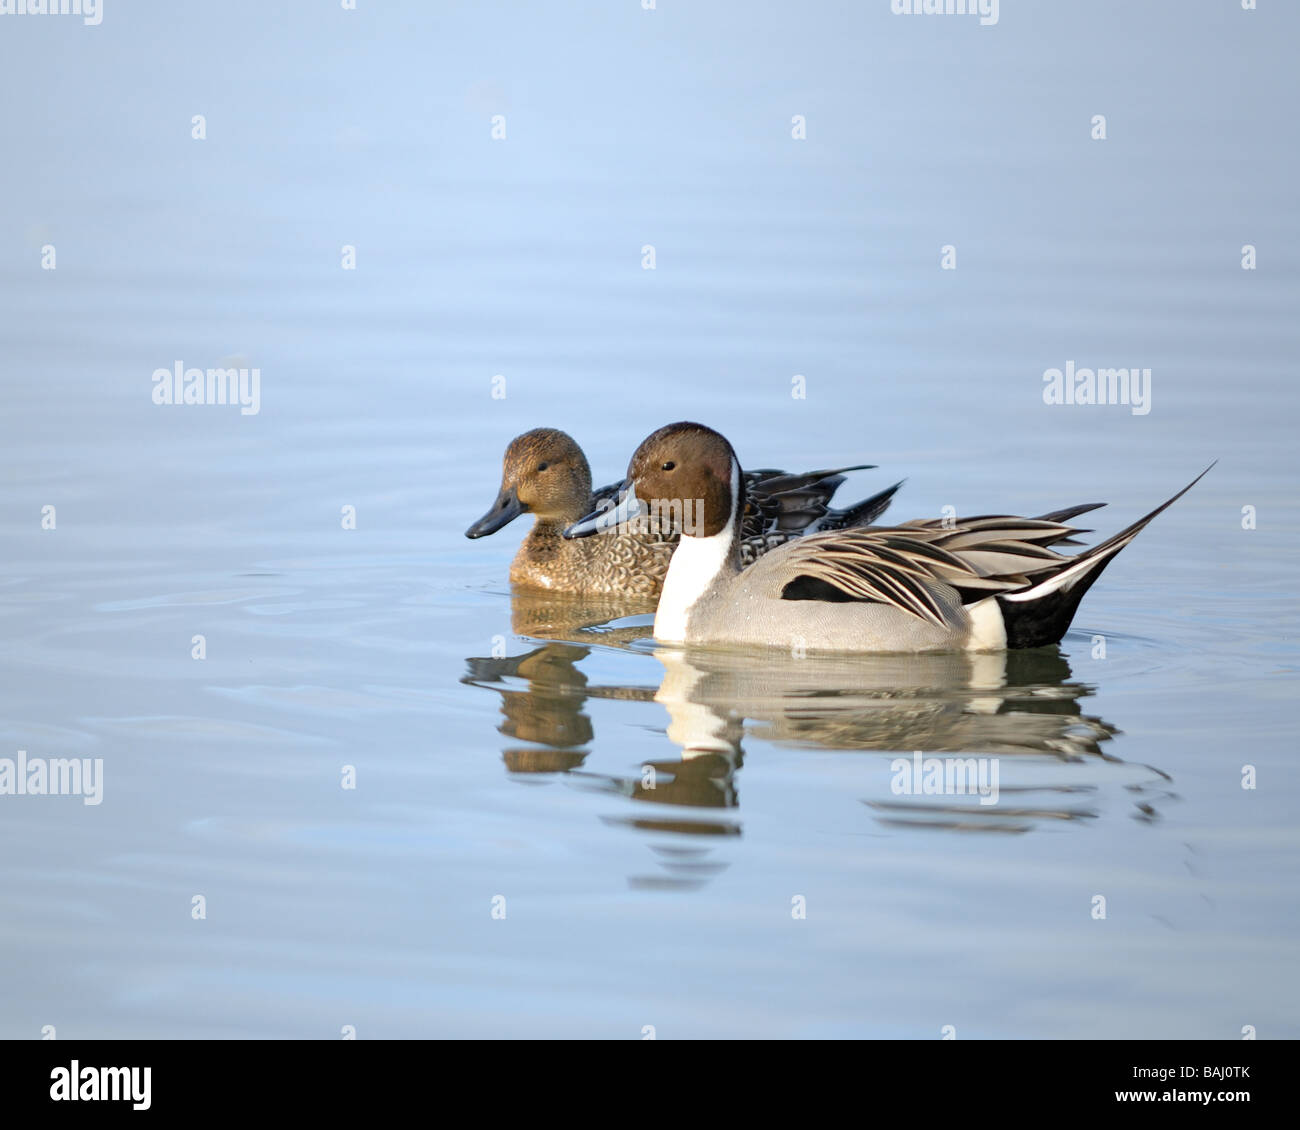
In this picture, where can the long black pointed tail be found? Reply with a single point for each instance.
(860, 513)
(1041, 614)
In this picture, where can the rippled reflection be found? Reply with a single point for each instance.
(578, 619)
(546, 709)
(1022, 709)
(1001, 702)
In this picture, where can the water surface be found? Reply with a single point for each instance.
(502, 745)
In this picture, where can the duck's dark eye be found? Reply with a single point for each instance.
(542, 466)
(669, 465)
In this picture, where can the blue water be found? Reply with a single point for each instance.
(499, 743)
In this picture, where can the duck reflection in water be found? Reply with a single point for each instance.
(547, 710)
(1018, 709)
(1021, 707)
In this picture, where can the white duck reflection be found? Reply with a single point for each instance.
(1021, 708)
(1017, 713)
(989, 702)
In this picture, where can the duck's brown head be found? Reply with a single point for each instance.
(684, 469)
(543, 473)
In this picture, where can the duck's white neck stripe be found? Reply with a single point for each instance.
(696, 563)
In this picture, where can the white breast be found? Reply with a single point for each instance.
(696, 563)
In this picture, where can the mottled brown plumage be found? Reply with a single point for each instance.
(546, 474)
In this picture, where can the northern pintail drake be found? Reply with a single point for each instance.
(978, 584)
(546, 474)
